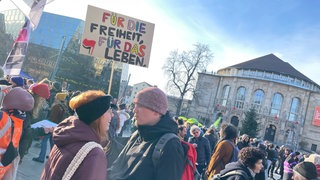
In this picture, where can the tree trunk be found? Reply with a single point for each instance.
(178, 111)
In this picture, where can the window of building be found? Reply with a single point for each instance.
(225, 95)
(294, 109)
(314, 147)
(276, 104)
(240, 97)
(258, 99)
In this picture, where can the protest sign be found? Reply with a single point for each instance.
(117, 37)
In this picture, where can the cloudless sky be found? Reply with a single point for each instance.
(236, 31)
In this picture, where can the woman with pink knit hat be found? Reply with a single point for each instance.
(40, 93)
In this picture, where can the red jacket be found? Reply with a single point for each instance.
(188, 173)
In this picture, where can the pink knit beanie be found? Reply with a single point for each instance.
(152, 98)
(41, 90)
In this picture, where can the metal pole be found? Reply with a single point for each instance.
(111, 77)
(125, 89)
(53, 74)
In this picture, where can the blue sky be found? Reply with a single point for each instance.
(236, 31)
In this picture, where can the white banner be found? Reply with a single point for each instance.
(32, 9)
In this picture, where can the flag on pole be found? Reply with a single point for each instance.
(14, 61)
(32, 9)
(217, 122)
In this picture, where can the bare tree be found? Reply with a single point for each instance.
(182, 70)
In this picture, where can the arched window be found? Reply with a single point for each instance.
(276, 104)
(240, 97)
(225, 95)
(258, 99)
(294, 109)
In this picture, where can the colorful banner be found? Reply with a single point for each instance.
(316, 116)
(117, 37)
(14, 62)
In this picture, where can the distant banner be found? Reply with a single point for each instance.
(18, 52)
(32, 9)
(316, 116)
(117, 37)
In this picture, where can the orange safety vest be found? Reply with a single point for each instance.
(6, 124)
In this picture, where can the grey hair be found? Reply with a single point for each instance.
(194, 127)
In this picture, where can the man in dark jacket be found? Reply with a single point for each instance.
(202, 146)
(245, 140)
(153, 121)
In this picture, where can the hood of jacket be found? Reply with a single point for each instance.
(236, 166)
(165, 125)
(73, 130)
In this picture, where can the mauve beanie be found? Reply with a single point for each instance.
(152, 98)
(18, 98)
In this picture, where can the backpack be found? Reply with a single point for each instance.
(235, 152)
(228, 174)
(190, 171)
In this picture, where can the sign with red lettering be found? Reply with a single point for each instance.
(117, 37)
(316, 116)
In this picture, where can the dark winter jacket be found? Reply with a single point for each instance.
(272, 154)
(242, 144)
(239, 166)
(213, 139)
(203, 150)
(135, 160)
(59, 111)
(69, 136)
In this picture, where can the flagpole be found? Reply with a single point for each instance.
(111, 77)
(54, 72)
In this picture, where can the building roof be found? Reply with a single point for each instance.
(142, 83)
(271, 63)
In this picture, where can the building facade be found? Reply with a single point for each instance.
(134, 90)
(284, 99)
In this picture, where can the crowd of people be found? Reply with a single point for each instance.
(90, 123)
(267, 158)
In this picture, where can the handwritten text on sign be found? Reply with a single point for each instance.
(117, 37)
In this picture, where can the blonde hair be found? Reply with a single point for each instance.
(84, 98)
(194, 127)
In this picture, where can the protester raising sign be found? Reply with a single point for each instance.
(117, 37)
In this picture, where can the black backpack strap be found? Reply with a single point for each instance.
(235, 172)
(158, 149)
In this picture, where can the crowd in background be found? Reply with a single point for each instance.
(280, 160)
